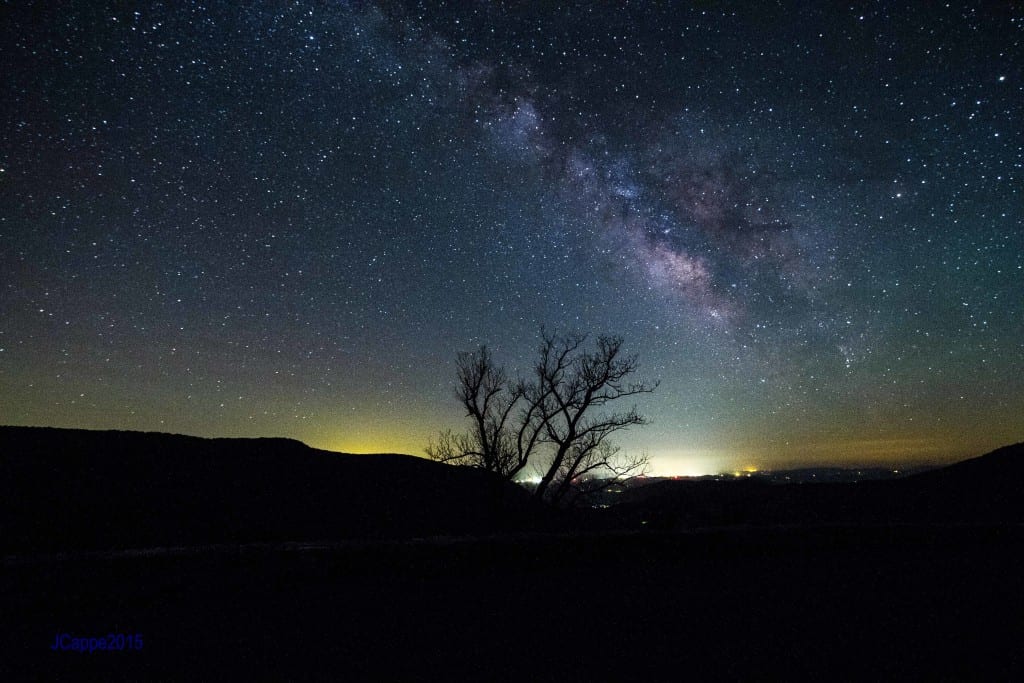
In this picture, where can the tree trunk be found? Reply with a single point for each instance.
(549, 476)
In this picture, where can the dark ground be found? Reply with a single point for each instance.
(920, 578)
(904, 602)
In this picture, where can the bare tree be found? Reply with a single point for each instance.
(560, 409)
(505, 428)
(571, 388)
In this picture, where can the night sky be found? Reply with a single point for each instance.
(285, 219)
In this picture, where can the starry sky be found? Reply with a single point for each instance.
(285, 219)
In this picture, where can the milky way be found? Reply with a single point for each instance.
(243, 219)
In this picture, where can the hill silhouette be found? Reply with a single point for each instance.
(65, 489)
(795, 581)
(983, 490)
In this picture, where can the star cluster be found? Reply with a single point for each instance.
(250, 219)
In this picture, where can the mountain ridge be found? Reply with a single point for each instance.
(66, 490)
(83, 489)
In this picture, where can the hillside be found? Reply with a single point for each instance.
(94, 490)
(798, 581)
(983, 490)
(66, 489)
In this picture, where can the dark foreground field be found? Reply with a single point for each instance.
(911, 602)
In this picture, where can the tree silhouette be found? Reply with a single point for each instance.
(571, 386)
(505, 429)
(559, 410)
